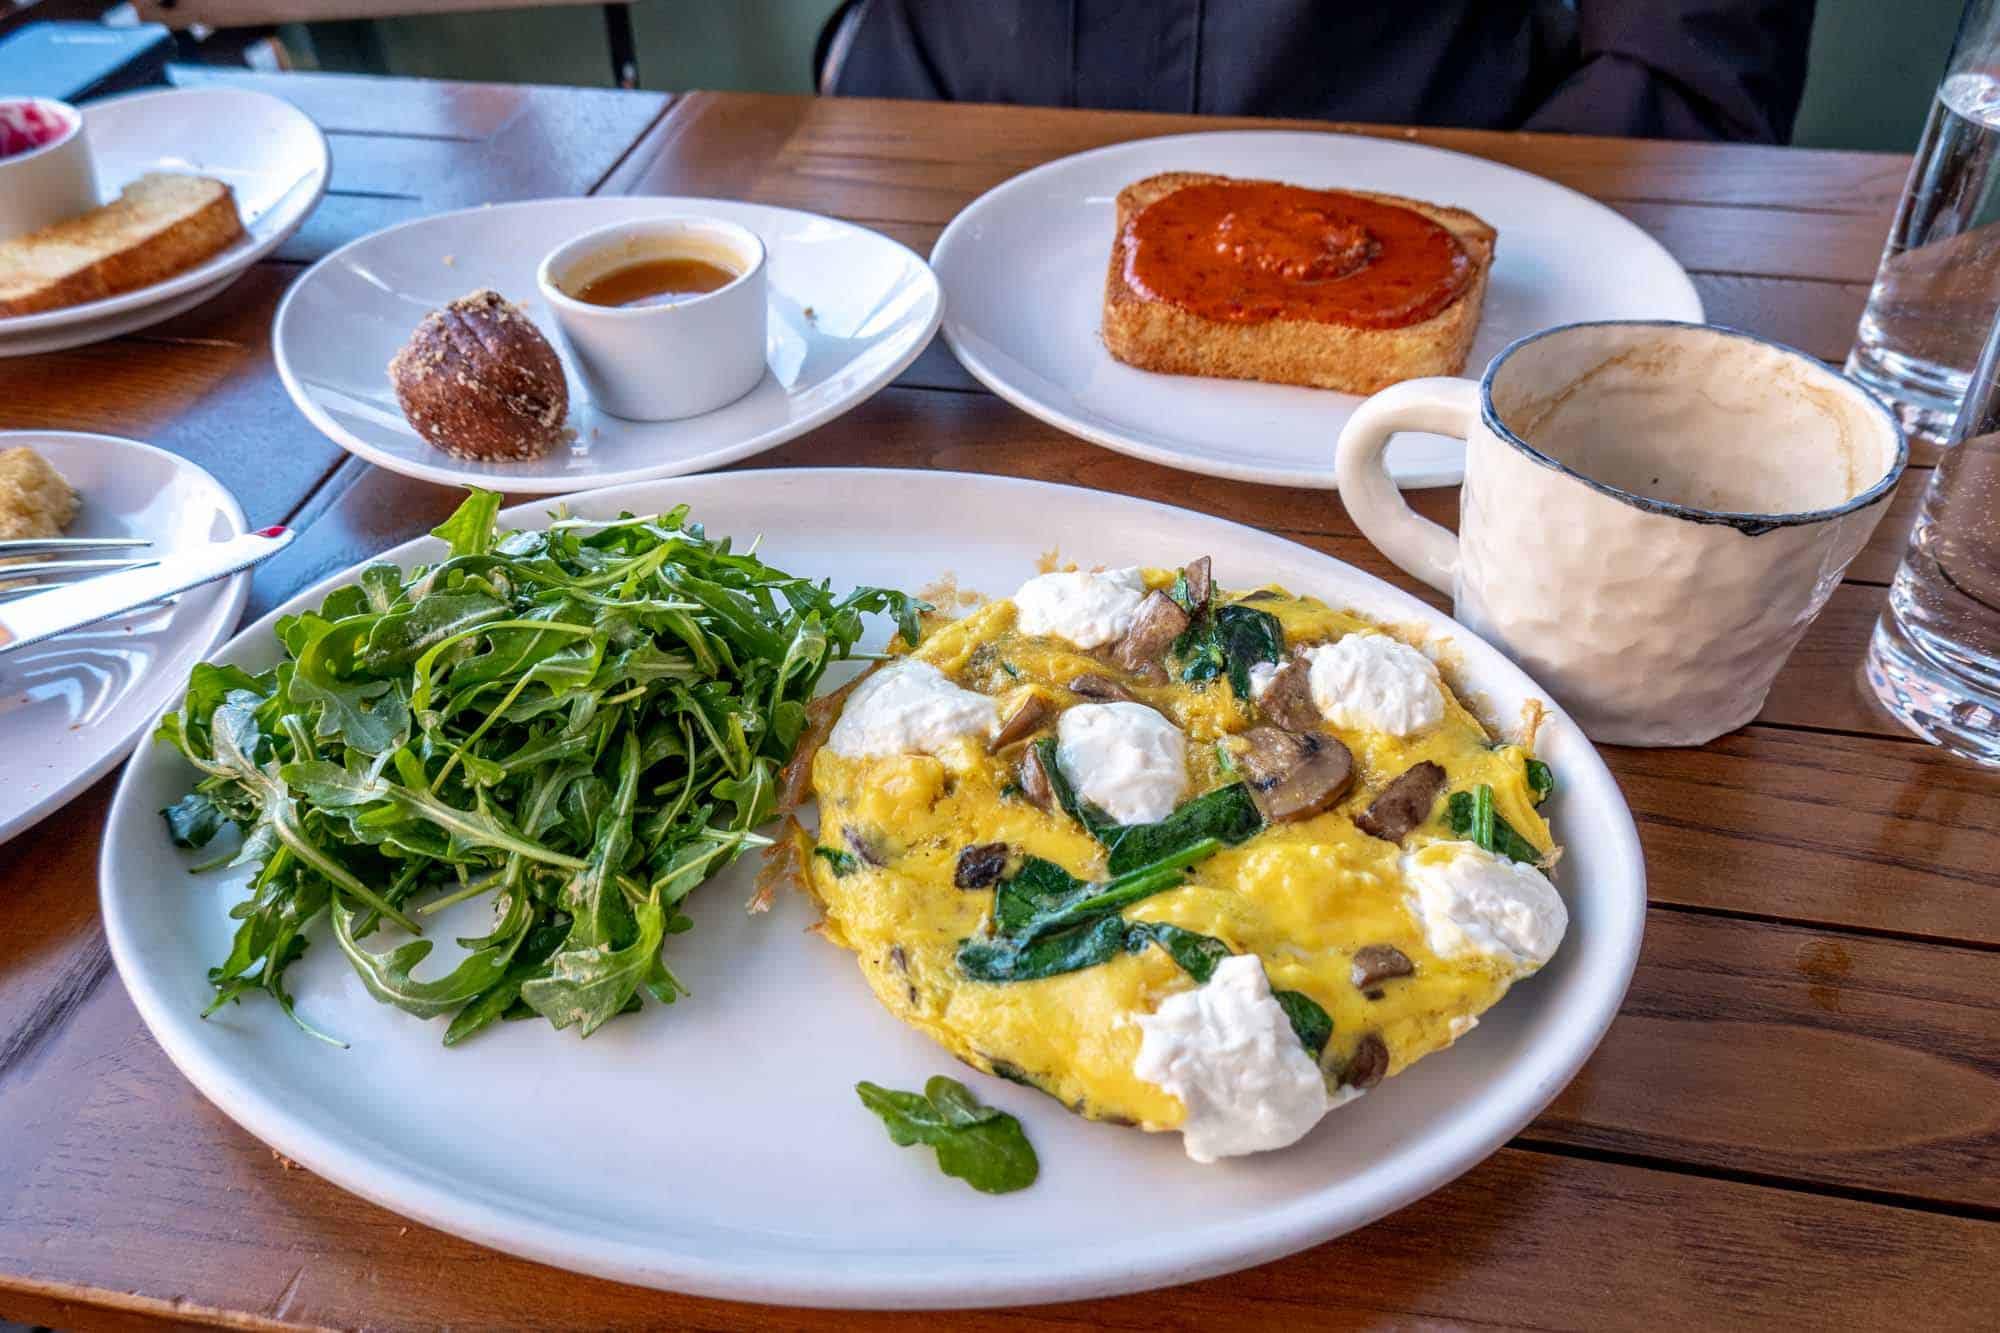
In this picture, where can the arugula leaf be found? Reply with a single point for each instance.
(387, 976)
(194, 820)
(1495, 834)
(589, 985)
(469, 530)
(587, 721)
(981, 1145)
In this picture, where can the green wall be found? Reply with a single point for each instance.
(1873, 69)
(748, 45)
(1874, 63)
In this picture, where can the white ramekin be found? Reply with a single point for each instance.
(49, 183)
(662, 362)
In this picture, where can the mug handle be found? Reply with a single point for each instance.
(1442, 405)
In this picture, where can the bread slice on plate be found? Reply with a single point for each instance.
(1154, 335)
(161, 225)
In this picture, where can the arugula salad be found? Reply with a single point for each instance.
(582, 724)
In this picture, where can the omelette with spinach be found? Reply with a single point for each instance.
(1181, 858)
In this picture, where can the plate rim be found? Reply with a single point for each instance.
(956, 233)
(228, 263)
(1300, 1224)
(447, 473)
(235, 593)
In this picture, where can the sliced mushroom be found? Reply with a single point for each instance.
(1368, 1064)
(1404, 804)
(980, 866)
(1155, 625)
(1293, 774)
(1026, 719)
(1199, 584)
(1376, 964)
(1101, 688)
(1035, 784)
(862, 846)
(1288, 699)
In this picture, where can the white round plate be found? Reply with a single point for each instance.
(72, 707)
(1023, 270)
(717, 1146)
(264, 148)
(849, 308)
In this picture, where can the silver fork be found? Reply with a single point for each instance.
(20, 577)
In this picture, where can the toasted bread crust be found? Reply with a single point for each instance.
(161, 225)
(1154, 335)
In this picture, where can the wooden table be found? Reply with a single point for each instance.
(1796, 1118)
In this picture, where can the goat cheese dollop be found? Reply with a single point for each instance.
(1123, 758)
(1087, 609)
(1470, 901)
(909, 708)
(1228, 1052)
(1371, 682)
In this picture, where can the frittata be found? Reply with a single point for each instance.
(1181, 858)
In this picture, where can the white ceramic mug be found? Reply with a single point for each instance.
(49, 183)
(1653, 512)
(662, 362)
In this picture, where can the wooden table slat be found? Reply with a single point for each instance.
(281, 1244)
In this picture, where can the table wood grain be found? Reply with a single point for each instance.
(1795, 1119)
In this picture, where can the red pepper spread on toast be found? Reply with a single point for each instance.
(1246, 252)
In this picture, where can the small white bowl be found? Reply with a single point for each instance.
(662, 362)
(49, 183)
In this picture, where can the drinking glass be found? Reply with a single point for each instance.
(1939, 281)
(1935, 658)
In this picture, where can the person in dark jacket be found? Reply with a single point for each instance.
(1675, 69)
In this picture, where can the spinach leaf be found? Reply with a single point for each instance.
(587, 722)
(1541, 780)
(840, 862)
(1048, 922)
(1049, 955)
(1196, 953)
(979, 1144)
(1230, 639)
(1474, 819)
(1312, 1023)
(1226, 814)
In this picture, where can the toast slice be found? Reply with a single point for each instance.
(1154, 335)
(162, 224)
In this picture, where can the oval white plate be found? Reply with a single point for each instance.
(717, 1146)
(849, 308)
(72, 707)
(264, 148)
(1023, 270)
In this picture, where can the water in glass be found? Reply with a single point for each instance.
(1939, 282)
(1935, 657)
